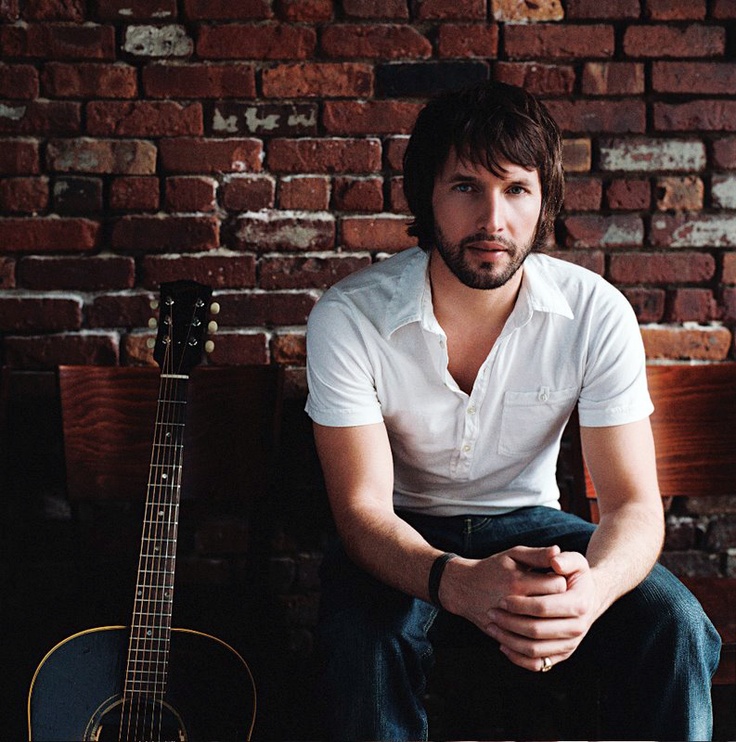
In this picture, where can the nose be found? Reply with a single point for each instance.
(490, 213)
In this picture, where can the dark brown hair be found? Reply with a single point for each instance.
(485, 124)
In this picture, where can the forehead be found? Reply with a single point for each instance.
(459, 167)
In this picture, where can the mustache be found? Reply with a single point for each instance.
(485, 237)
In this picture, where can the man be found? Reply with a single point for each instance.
(440, 382)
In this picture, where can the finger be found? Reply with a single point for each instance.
(503, 625)
(569, 562)
(533, 664)
(533, 557)
(561, 604)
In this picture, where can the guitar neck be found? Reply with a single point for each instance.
(150, 632)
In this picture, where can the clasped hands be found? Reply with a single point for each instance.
(541, 604)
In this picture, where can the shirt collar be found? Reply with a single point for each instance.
(411, 298)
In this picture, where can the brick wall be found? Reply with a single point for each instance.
(256, 145)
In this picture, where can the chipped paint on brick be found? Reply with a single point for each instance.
(724, 191)
(706, 231)
(158, 41)
(681, 155)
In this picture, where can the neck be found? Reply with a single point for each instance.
(451, 298)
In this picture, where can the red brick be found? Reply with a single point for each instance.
(613, 78)
(583, 194)
(679, 343)
(675, 10)
(41, 118)
(672, 267)
(729, 267)
(189, 155)
(378, 9)
(397, 199)
(384, 233)
(512, 11)
(54, 10)
(628, 195)
(165, 234)
(467, 40)
(698, 115)
(692, 230)
(24, 195)
(648, 304)
(662, 41)
(239, 348)
(540, 79)
(729, 304)
(265, 308)
(358, 194)
(217, 269)
(289, 348)
(144, 119)
(614, 10)
(379, 41)
(679, 194)
(121, 309)
(457, 10)
(19, 157)
(576, 155)
(248, 192)
(305, 11)
(603, 231)
(18, 81)
(131, 157)
(88, 273)
(135, 193)
(7, 273)
(227, 10)
(395, 147)
(324, 155)
(724, 153)
(27, 314)
(723, 9)
(9, 10)
(170, 80)
(284, 231)
(195, 193)
(42, 235)
(558, 42)
(593, 260)
(627, 116)
(692, 305)
(89, 80)
(308, 272)
(305, 192)
(136, 10)
(50, 351)
(318, 80)
(717, 78)
(58, 41)
(261, 42)
(370, 117)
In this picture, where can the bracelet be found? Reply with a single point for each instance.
(435, 576)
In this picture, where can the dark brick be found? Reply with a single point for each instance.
(648, 304)
(89, 273)
(170, 234)
(77, 195)
(424, 79)
(50, 351)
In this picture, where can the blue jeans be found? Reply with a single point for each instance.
(653, 652)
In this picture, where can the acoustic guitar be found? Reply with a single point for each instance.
(150, 682)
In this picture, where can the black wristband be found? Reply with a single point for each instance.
(435, 576)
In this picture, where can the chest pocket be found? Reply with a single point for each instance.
(530, 421)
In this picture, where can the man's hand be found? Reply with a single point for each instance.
(530, 628)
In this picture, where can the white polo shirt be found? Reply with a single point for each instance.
(376, 353)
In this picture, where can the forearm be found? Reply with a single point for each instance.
(624, 548)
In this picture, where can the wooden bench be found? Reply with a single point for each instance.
(694, 425)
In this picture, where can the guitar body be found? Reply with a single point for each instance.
(76, 692)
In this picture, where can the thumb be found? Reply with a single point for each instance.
(534, 557)
(567, 563)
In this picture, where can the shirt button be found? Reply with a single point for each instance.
(471, 410)
(466, 448)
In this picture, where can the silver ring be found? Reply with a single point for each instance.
(546, 664)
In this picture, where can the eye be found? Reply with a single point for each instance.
(517, 190)
(463, 187)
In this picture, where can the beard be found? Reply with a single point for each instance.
(487, 274)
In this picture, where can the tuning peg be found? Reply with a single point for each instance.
(153, 304)
(212, 327)
(209, 346)
(153, 323)
(214, 308)
(150, 343)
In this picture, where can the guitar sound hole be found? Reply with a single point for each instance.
(143, 720)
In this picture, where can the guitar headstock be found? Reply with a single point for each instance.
(182, 325)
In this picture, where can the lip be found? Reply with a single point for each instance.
(484, 246)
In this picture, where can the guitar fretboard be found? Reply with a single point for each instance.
(150, 633)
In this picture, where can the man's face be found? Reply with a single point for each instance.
(484, 224)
